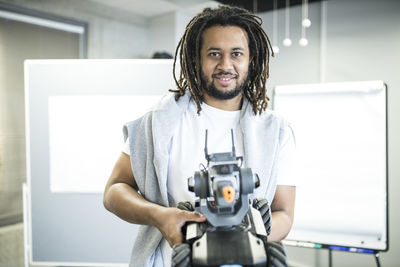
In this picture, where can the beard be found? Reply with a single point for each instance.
(223, 95)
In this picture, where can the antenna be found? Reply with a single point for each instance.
(205, 147)
(233, 144)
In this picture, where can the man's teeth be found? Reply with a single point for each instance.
(225, 79)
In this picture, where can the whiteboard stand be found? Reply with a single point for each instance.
(330, 257)
(378, 263)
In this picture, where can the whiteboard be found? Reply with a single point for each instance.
(341, 138)
(75, 110)
(71, 137)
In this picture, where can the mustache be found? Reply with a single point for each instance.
(224, 73)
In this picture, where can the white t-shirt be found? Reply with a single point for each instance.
(187, 152)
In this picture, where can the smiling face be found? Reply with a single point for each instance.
(225, 59)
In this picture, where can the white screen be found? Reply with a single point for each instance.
(85, 136)
(340, 131)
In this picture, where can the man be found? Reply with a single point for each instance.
(224, 56)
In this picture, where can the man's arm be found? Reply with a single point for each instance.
(282, 209)
(122, 198)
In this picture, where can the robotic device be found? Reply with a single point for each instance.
(235, 232)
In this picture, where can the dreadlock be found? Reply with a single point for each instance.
(189, 54)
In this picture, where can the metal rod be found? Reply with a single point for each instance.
(378, 263)
(255, 6)
(233, 144)
(275, 23)
(205, 146)
(287, 19)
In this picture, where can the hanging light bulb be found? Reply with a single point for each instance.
(306, 22)
(303, 40)
(275, 47)
(287, 42)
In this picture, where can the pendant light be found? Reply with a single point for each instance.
(305, 23)
(287, 42)
(275, 47)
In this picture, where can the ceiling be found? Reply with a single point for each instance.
(262, 5)
(151, 8)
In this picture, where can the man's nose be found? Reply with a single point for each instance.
(225, 63)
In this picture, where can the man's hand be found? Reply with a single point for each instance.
(171, 220)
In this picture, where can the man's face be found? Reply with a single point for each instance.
(225, 59)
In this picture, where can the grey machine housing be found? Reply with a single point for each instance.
(234, 232)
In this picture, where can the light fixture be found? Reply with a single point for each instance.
(303, 42)
(305, 23)
(275, 47)
(287, 42)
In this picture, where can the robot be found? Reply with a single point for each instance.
(236, 232)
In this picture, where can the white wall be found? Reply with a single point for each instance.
(162, 33)
(362, 43)
(110, 38)
(165, 31)
(182, 19)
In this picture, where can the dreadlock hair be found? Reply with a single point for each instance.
(189, 54)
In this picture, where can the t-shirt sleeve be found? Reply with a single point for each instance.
(126, 148)
(287, 158)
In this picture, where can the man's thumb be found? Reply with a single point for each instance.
(195, 217)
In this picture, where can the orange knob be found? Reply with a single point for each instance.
(229, 193)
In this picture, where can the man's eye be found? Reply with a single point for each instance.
(214, 54)
(237, 54)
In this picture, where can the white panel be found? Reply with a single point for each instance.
(86, 140)
(340, 133)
